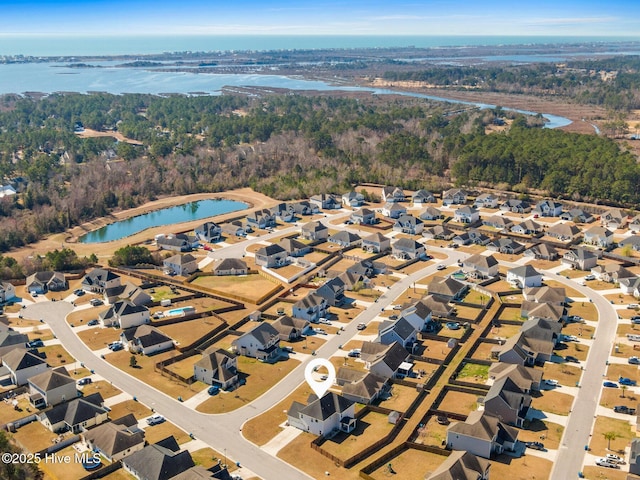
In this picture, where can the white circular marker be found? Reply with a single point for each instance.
(320, 387)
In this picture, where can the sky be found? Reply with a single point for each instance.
(302, 17)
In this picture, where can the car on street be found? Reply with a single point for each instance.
(624, 409)
(37, 343)
(571, 359)
(634, 360)
(155, 419)
(614, 458)
(627, 382)
(610, 384)
(213, 390)
(324, 320)
(85, 381)
(551, 382)
(361, 326)
(603, 462)
(535, 445)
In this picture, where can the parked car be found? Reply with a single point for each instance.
(93, 322)
(551, 382)
(590, 277)
(452, 325)
(78, 292)
(95, 302)
(441, 267)
(115, 346)
(614, 458)
(634, 360)
(569, 338)
(320, 330)
(361, 326)
(610, 384)
(354, 353)
(624, 409)
(633, 306)
(571, 358)
(535, 445)
(85, 381)
(155, 419)
(37, 343)
(626, 381)
(213, 390)
(603, 462)
(635, 319)
(324, 320)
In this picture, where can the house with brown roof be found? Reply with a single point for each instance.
(294, 248)
(482, 434)
(22, 365)
(323, 416)
(598, 236)
(161, 461)
(431, 214)
(314, 231)
(447, 287)
(183, 265)
(527, 379)
(291, 328)
(481, 266)
(580, 259)
(542, 251)
(611, 272)
(366, 389)
(51, 387)
(498, 221)
(217, 367)
(376, 243)
(564, 232)
(613, 219)
(262, 342)
(461, 465)
(230, 266)
(116, 439)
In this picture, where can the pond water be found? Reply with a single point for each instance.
(166, 216)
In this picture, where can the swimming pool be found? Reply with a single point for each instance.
(180, 311)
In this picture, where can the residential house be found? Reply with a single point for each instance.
(284, 212)
(508, 402)
(323, 416)
(486, 200)
(7, 291)
(345, 239)
(439, 306)
(565, 232)
(51, 387)
(261, 342)
(431, 214)
(7, 191)
(179, 242)
(116, 439)
(271, 256)
(461, 465)
(505, 245)
(392, 194)
(613, 219)
(146, 339)
(208, 232)
(43, 282)
(528, 379)
(376, 243)
(482, 434)
(332, 291)
(99, 279)
(438, 232)
(230, 266)
(352, 199)
(466, 214)
(598, 236)
(420, 316)
(22, 365)
(304, 207)
(124, 314)
(477, 237)
(577, 215)
(393, 210)
(354, 281)
(533, 345)
(524, 276)
(314, 231)
(291, 328)
(408, 224)
(542, 251)
(580, 259)
(10, 340)
(363, 216)
(387, 361)
(611, 272)
(366, 389)
(447, 287)
(548, 208)
(633, 240)
(630, 286)
(481, 266)
(312, 307)
(217, 367)
(634, 224)
(261, 219)
(400, 331)
(528, 227)
(422, 197)
(326, 201)
(235, 229)
(128, 291)
(515, 205)
(634, 457)
(547, 311)
(462, 239)
(160, 461)
(497, 221)
(75, 415)
(183, 265)
(407, 249)
(546, 294)
(294, 248)
(454, 196)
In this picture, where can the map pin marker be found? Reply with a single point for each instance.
(320, 387)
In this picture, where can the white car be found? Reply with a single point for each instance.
(603, 462)
(570, 338)
(441, 267)
(614, 458)
(590, 277)
(551, 382)
(155, 419)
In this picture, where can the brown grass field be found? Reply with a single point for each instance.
(97, 338)
(547, 432)
(249, 286)
(565, 373)
(459, 402)
(102, 387)
(370, 428)
(553, 402)
(603, 425)
(187, 332)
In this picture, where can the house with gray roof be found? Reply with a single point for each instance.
(22, 365)
(363, 216)
(332, 291)
(515, 205)
(498, 221)
(461, 465)
(128, 291)
(345, 239)
(545, 294)
(506, 246)
(177, 242)
(230, 266)
(323, 416)
(366, 389)
(486, 200)
(393, 210)
(542, 251)
(407, 249)
(438, 232)
(439, 306)
(294, 248)
(447, 287)
(99, 279)
(577, 215)
(312, 307)
(420, 316)
(528, 379)
(160, 461)
(633, 240)
(261, 219)
(422, 197)
(10, 340)
(262, 342)
(565, 232)
(387, 361)
(303, 207)
(284, 212)
(183, 265)
(524, 276)
(454, 196)
(43, 282)
(508, 402)
(634, 224)
(581, 259)
(271, 256)
(548, 208)
(466, 214)
(613, 219)
(51, 387)
(431, 214)
(208, 232)
(217, 367)
(236, 228)
(291, 328)
(408, 224)
(124, 314)
(598, 236)
(146, 339)
(314, 231)
(376, 243)
(481, 266)
(528, 227)
(400, 330)
(116, 439)
(611, 272)
(352, 199)
(533, 345)
(634, 458)
(7, 291)
(482, 434)
(75, 415)
(326, 201)
(392, 194)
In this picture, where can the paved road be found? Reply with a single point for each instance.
(222, 432)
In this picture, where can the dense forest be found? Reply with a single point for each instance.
(613, 83)
(286, 146)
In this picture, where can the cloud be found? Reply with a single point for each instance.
(573, 21)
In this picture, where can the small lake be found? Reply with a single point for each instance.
(166, 216)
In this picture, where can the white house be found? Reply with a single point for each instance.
(262, 342)
(124, 314)
(322, 416)
(217, 367)
(312, 307)
(23, 365)
(524, 276)
(7, 291)
(51, 387)
(466, 214)
(146, 339)
(180, 264)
